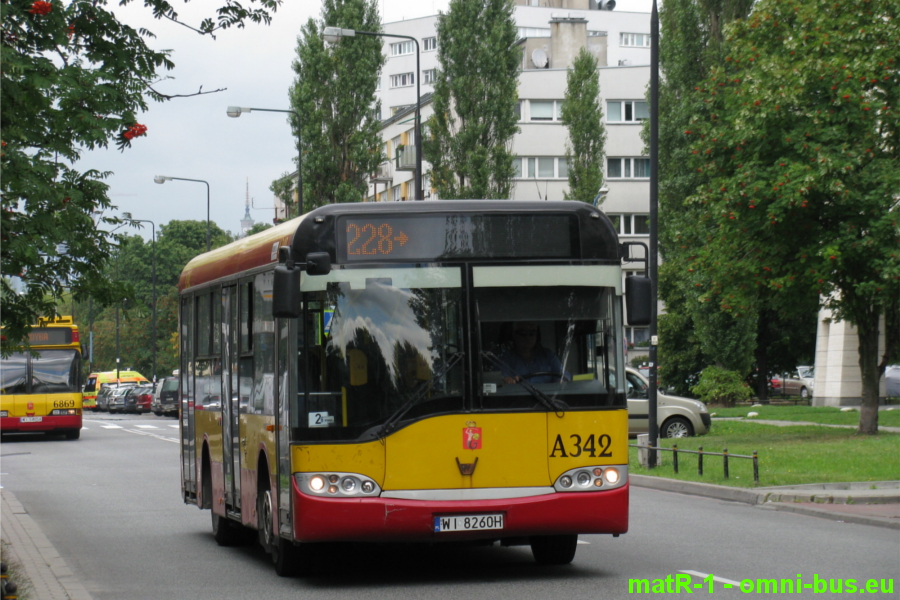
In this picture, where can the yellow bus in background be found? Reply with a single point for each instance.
(41, 392)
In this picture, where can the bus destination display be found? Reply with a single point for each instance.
(50, 336)
(447, 237)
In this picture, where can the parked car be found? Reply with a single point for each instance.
(106, 393)
(892, 380)
(142, 397)
(677, 416)
(165, 398)
(116, 403)
(797, 383)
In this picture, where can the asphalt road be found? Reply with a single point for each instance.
(111, 505)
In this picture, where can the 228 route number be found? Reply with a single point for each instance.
(575, 446)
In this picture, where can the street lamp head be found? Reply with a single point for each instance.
(162, 178)
(235, 111)
(333, 35)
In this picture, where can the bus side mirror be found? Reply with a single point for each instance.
(638, 299)
(318, 263)
(286, 291)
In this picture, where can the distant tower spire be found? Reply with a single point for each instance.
(247, 222)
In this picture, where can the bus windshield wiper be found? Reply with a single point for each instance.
(547, 401)
(417, 396)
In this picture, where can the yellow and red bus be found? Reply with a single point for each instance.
(346, 376)
(40, 389)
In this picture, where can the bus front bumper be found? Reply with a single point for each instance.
(391, 520)
(46, 423)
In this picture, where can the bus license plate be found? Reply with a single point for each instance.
(30, 419)
(467, 523)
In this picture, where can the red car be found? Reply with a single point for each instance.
(143, 397)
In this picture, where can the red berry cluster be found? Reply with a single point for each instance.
(40, 8)
(134, 131)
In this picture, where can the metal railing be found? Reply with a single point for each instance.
(700, 454)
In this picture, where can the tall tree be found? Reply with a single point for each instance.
(691, 34)
(74, 77)
(339, 129)
(475, 91)
(583, 117)
(800, 142)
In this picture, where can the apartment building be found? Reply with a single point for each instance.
(551, 33)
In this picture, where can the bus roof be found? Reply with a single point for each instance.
(314, 232)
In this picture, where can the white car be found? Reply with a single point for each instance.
(677, 416)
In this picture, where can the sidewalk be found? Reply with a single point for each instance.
(845, 502)
(50, 578)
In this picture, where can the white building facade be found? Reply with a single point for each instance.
(551, 33)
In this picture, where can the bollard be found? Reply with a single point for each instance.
(675, 456)
(725, 461)
(700, 460)
(755, 467)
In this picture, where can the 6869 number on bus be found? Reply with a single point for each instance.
(468, 523)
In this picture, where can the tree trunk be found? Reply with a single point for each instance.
(867, 330)
(762, 357)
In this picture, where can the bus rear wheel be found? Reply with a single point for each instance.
(554, 549)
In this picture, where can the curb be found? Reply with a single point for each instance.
(760, 498)
(49, 576)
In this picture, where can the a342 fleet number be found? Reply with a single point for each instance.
(575, 445)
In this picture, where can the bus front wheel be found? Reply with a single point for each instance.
(285, 555)
(73, 434)
(554, 549)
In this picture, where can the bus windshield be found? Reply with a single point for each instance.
(382, 343)
(548, 342)
(50, 372)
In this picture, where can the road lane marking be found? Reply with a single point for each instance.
(584, 543)
(721, 580)
(146, 426)
(153, 435)
(175, 426)
(111, 427)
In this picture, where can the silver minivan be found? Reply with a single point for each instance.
(677, 416)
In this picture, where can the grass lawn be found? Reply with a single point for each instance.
(787, 455)
(827, 415)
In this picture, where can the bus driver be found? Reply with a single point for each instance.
(528, 359)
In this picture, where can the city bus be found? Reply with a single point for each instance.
(40, 388)
(347, 376)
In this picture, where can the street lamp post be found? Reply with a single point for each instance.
(654, 228)
(235, 112)
(164, 178)
(154, 290)
(334, 35)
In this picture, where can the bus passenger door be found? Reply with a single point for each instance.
(231, 452)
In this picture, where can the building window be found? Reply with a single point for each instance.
(631, 224)
(637, 40)
(403, 80)
(540, 167)
(378, 84)
(401, 48)
(428, 76)
(534, 32)
(626, 111)
(628, 168)
(395, 193)
(544, 110)
(429, 43)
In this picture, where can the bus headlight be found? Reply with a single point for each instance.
(60, 412)
(337, 485)
(4, 413)
(592, 479)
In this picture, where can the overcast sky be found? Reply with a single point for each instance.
(195, 139)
